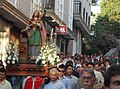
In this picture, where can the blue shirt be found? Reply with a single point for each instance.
(54, 85)
(73, 81)
(66, 82)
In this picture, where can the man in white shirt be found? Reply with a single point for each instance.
(4, 84)
(98, 74)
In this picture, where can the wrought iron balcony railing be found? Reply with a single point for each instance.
(77, 8)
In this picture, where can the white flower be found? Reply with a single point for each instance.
(9, 58)
(54, 55)
(57, 57)
(43, 62)
(52, 63)
(42, 48)
(8, 62)
(58, 60)
(43, 57)
(39, 57)
(53, 59)
(36, 62)
(17, 59)
(13, 62)
(14, 58)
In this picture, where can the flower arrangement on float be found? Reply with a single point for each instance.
(48, 55)
(12, 54)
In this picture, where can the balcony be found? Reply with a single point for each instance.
(52, 17)
(50, 13)
(79, 21)
(10, 13)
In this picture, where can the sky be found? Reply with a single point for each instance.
(96, 9)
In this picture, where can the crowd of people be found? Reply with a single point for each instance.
(76, 72)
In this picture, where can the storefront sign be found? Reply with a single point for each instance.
(61, 29)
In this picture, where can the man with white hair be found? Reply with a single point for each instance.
(54, 82)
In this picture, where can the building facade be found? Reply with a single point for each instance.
(81, 23)
(13, 18)
(61, 17)
(68, 19)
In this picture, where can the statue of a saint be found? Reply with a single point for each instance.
(36, 33)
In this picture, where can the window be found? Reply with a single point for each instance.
(14, 2)
(89, 21)
(77, 7)
(86, 17)
(35, 5)
(83, 13)
(60, 9)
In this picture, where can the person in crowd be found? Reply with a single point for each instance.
(76, 63)
(98, 74)
(102, 67)
(54, 82)
(36, 34)
(88, 80)
(107, 63)
(84, 64)
(4, 84)
(32, 82)
(79, 69)
(62, 77)
(68, 58)
(68, 74)
(97, 68)
(62, 56)
(112, 77)
(96, 61)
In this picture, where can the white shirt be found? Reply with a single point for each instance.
(5, 85)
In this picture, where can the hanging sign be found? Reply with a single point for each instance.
(61, 29)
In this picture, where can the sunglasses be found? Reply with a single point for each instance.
(61, 71)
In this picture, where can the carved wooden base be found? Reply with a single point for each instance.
(27, 70)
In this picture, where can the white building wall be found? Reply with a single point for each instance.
(87, 5)
(77, 44)
(68, 13)
(59, 7)
(22, 5)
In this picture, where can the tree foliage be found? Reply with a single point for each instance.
(107, 26)
(104, 42)
(111, 8)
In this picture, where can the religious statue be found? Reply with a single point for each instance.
(36, 34)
